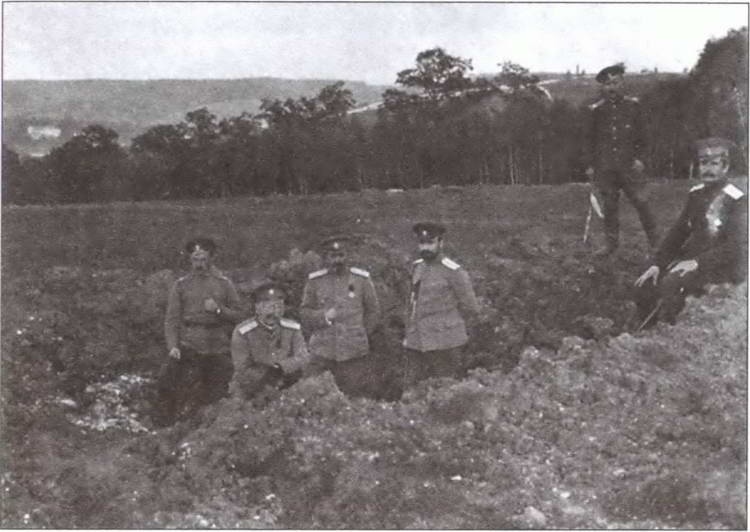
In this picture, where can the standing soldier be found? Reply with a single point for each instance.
(442, 301)
(200, 310)
(267, 350)
(340, 307)
(616, 144)
(707, 244)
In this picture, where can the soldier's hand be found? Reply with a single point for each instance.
(330, 314)
(638, 166)
(684, 266)
(175, 353)
(210, 305)
(652, 273)
(589, 173)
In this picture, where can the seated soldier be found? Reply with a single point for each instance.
(268, 350)
(707, 244)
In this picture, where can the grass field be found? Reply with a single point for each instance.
(564, 422)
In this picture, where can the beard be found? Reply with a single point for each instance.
(427, 254)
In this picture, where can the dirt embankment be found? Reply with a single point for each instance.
(563, 423)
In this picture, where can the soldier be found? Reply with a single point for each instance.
(442, 301)
(341, 309)
(267, 350)
(616, 146)
(707, 244)
(200, 310)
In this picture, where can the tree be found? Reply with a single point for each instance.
(88, 167)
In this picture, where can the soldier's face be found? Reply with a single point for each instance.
(613, 86)
(269, 311)
(200, 261)
(429, 249)
(336, 259)
(712, 167)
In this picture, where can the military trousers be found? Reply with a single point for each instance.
(190, 382)
(421, 365)
(665, 300)
(609, 183)
(352, 376)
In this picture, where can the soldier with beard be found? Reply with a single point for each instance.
(341, 309)
(268, 351)
(442, 301)
(707, 243)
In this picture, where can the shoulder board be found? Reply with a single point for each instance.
(216, 272)
(360, 272)
(633, 99)
(732, 191)
(418, 261)
(183, 278)
(319, 273)
(290, 324)
(448, 263)
(247, 326)
(697, 187)
(596, 104)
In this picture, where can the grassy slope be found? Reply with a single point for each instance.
(148, 236)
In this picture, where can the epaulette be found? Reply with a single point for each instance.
(360, 272)
(247, 326)
(732, 191)
(216, 272)
(418, 261)
(699, 186)
(290, 324)
(596, 104)
(448, 263)
(183, 278)
(633, 99)
(319, 273)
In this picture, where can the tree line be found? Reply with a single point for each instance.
(442, 126)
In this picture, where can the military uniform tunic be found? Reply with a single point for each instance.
(441, 296)
(188, 325)
(712, 230)
(357, 313)
(616, 135)
(256, 348)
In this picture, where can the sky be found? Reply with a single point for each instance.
(369, 42)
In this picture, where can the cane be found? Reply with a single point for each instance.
(593, 207)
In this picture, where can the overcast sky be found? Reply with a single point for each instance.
(368, 42)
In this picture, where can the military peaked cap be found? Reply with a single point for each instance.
(612, 70)
(200, 243)
(428, 230)
(269, 291)
(713, 146)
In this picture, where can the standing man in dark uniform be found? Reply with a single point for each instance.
(267, 350)
(201, 310)
(707, 244)
(441, 303)
(615, 147)
(341, 309)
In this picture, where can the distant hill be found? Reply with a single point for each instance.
(38, 115)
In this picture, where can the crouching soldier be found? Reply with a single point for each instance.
(268, 351)
(341, 309)
(707, 243)
(442, 301)
(202, 308)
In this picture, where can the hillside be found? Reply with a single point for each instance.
(564, 420)
(130, 106)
